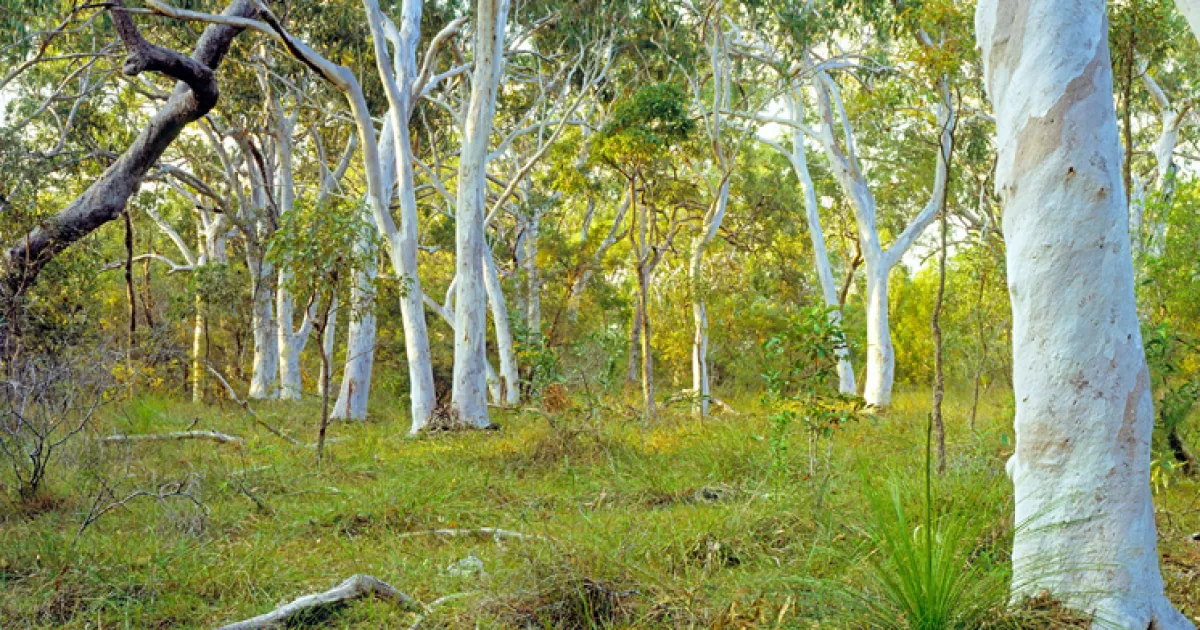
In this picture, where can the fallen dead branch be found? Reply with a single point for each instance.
(241, 403)
(356, 587)
(215, 436)
(495, 533)
(690, 395)
(429, 608)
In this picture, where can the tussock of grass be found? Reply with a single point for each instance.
(672, 524)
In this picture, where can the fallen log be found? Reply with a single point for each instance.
(494, 533)
(214, 436)
(356, 587)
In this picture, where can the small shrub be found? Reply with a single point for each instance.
(802, 384)
(44, 404)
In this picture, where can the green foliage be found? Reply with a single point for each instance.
(539, 362)
(923, 574)
(802, 382)
(319, 246)
(644, 127)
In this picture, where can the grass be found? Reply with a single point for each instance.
(680, 524)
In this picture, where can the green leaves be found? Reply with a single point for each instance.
(321, 247)
(644, 127)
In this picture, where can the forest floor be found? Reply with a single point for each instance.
(733, 522)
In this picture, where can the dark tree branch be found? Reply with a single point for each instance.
(106, 198)
(146, 57)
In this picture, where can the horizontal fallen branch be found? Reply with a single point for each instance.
(244, 405)
(356, 587)
(495, 533)
(429, 608)
(690, 395)
(177, 435)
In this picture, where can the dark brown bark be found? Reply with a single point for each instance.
(147, 299)
(939, 376)
(853, 267)
(130, 291)
(107, 197)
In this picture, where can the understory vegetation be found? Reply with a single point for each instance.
(675, 523)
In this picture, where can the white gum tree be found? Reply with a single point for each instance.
(469, 395)
(1084, 406)
(407, 83)
(842, 155)
(797, 156)
(343, 79)
(836, 139)
(1148, 238)
(724, 156)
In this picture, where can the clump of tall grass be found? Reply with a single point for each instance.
(922, 575)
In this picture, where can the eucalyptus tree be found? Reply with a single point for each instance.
(1084, 404)
(195, 95)
(469, 395)
(404, 82)
(640, 135)
(725, 142)
(401, 248)
(790, 89)
(837, 140)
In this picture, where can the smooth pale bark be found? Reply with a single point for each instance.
(714, 122)
(1191, 12)
(266, 351)
(398, 86)
(1164, 149)
(469, 395)
(1084, 411)
(360, 343)
(344, 80)
(291, 341)
(640, 238)
(265, 371)
(812, 212)
(446, 312)
(842, 156)
(509, 380)
(212, 251)
(197, 353)
(700, 382)
(533, 276)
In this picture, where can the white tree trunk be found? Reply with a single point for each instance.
(700, 382)
(289, 351)
(533, 276)
(843, 160)
(1084, 409)
(360, 348)
(263, 380)
(197, 352)
(402, 243)
(469, 395)
(509, 379)
(266, 350)
(881, 356)
(360, 343)
(812, 211)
